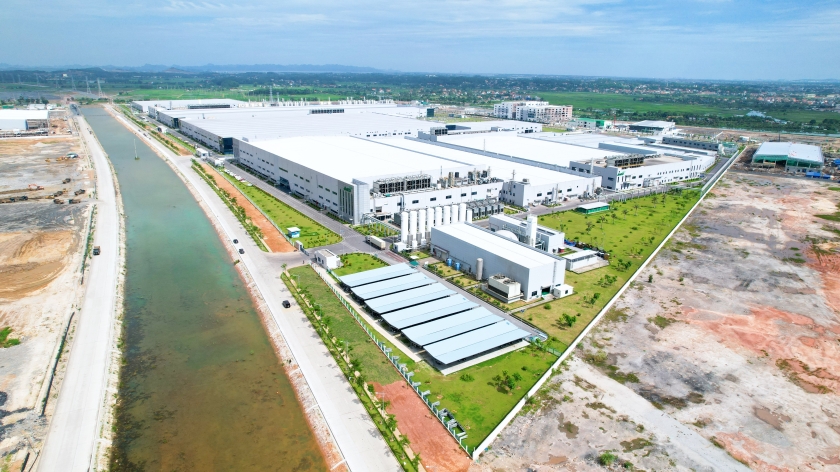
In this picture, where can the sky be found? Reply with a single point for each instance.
(697, 39)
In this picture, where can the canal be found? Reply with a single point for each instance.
(201, 387)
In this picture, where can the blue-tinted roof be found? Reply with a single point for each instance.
(450, 326)
(475, 342)
(404, 318)
(389, 286)
(376, 275)
(408, 298)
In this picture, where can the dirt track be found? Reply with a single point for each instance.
(271, 236)
(737, 338)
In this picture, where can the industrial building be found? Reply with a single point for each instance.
(795, 157)
(486, 254)
(653, 126)
(707, 145)
(24, 120)
(545, 239)
(450, 328)
(535, 111)
(144, 106)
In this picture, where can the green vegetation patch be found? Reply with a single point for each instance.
(479, 396)
(5, 341)
(358, 262)
(312, 233)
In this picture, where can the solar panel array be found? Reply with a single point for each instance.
(447, 325)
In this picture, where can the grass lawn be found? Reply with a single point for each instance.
(379, 230)
(443, 270)
(312, 233)
(477, 396)
(630, 238)
(358, 262)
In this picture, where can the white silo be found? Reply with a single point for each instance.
(404, 227)
(438, 216)
(430, 219)
(462, 212)
(412, 229)
(446, 215)
(421, 227)
(532, 231)
(469, 216)
(453, 213)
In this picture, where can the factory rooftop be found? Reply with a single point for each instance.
(794, 151)
(511, 144)
(345, 157)
(512, 250)
(144, 105)
(264, 111)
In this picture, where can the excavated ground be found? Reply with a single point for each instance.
(736, 341)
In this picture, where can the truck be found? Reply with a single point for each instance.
(95, 250)
(376, 242)
(58, 201)
(66, 181)
(79, 192)
(74, 200)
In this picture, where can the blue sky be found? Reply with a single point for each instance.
(707, 39)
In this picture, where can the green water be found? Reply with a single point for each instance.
(201, 388)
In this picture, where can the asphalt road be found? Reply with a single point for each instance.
(70, 442)
(360, 443)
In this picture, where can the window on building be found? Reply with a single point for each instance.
(415, 201)
(474, 193)
(463, 194)
(448, 197)
(433, 199)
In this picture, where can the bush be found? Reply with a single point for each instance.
(467, 378)
(607, 458)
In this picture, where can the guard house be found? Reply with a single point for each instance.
(595, 207)
(293, 232)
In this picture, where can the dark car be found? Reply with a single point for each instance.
(235, 241)
(241, 251)
(286, 304)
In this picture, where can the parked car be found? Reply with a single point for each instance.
(235, 241)
(286, 304)
(241, 251)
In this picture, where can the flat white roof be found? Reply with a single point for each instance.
(499, 167)
(594, 205)
(345, 158)
(502, 247)
(800, 152)
(269, 111)
(655, 124)
(170, 104)
(511, 144)
(590, 140)
(24, 114)
(575, 256)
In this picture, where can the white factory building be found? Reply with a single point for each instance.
(514, 270)
(545, 239)
(24, 120)
(536, 111)
(144, 106)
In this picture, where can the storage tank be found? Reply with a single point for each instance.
(453, 210)
(404, 227)
(532, 230)
(469, 216)
(479, 268)
(412, 229)
(449, 261)
(430, 219)
(438, 216)
(462, 212)
(421, 227)
(446, 216)
(457, 266)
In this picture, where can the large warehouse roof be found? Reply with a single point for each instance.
(261, 127)
(475, 342)
(345, 158)
(408, 298)
(502, 247)
(510, 144)
(376, 275)
(795, 151)
(500, 168)
(450, 326)
(395, 285)
(428, 311)
(175, 104)
(269, 111)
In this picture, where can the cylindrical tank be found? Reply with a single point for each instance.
(469, 215)
(449, 261)
(438, 216)
(404, 227)
(421, 226)
(430, 219)
(479, 268)
(453, 210)
(462, 212)
(457, 266)
(446, 216)
(412, 228)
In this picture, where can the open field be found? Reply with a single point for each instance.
(630, 232)
(735, 342)
(478, 396)
(41, 250)
(312, 233)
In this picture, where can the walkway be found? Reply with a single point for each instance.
(357, 437)
(70, 443)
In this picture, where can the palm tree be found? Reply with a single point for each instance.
(636, 208)
(625, 213)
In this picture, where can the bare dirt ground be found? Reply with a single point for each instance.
(735, 341)
(437, 448)
(41, 246)
(271, 236)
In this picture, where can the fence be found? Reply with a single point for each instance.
(442, 414)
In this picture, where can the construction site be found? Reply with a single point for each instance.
(44, 220)
(723, 355)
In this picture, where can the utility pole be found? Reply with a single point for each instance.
(87, 82)
(73, 82)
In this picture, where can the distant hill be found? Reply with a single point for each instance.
(175, 69)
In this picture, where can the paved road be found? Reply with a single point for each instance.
(70, 443)
(357, 437)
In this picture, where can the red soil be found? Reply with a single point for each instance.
(437, 448)
(271, 237)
